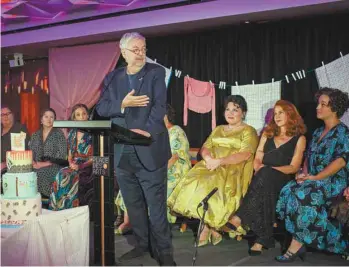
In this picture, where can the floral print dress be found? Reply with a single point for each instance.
(305, 207)
(65, 189)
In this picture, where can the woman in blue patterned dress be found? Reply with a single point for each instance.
(73, 185)
(304, 203)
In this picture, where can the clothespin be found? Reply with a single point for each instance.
(294, 77)
(300, 74)
(212, 84)
(155, 60)
(253, 82)
(297, 73)
(237, 85)
(341, 54)
(303, 73)
(222, 85)
(287, 79)
(323, 64)
(178, 73)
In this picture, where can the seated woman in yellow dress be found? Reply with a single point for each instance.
(227, 164)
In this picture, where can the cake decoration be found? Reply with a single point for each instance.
(20, 192)
(18, 141)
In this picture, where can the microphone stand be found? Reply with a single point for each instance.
(200, 229)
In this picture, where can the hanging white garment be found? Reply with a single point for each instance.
(167, 71)
(260, 98)
(335, 75)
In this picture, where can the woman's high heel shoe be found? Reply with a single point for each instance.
(205, 241)
(183, 227)
(291, 257)
(123, 231)
(216, 239)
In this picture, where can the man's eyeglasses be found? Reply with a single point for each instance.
(6, 114)
(138, 51)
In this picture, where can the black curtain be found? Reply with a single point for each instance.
(249, 52)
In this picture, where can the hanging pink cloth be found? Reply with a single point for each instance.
(199, 97)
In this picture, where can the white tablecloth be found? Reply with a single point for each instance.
(54, 238)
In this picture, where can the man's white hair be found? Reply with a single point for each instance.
(129, 36)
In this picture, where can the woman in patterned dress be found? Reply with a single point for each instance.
(49, 146)
(178, 165)
(73, 185)
(305, 202)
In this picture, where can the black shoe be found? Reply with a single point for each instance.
(167, 260)
(291, 257)
(254, 252)
(133, 253)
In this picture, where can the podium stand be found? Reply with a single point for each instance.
(105, 134)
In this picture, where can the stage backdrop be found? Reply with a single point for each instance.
(76, 74)
(249, 52)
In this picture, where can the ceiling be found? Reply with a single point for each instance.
(21, 14)
(41, 49)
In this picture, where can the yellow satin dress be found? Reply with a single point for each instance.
(232, 180)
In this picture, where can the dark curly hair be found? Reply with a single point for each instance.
(294, 125)
(171, 113)
(237, 100)
(339, 100)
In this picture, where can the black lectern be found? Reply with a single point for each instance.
(105, 135)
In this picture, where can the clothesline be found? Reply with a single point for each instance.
(298, 75)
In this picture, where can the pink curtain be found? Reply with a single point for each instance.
(76, 74)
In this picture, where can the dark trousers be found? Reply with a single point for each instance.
(145, 197)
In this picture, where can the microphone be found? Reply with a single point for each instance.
(214, 190)
(92, 113)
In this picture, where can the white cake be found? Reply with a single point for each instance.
(21, 200)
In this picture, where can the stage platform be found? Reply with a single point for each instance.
(229, 252)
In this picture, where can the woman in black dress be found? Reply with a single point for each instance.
(278, 158)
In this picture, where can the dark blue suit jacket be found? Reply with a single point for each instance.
(150, 82)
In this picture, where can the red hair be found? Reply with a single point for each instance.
(294, 124)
